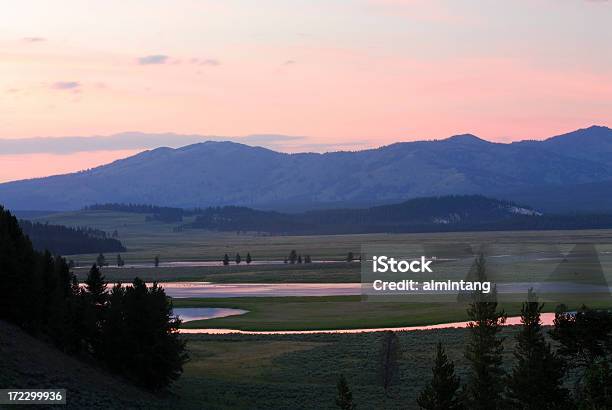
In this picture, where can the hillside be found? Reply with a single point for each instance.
(225, 173)
(433, 214)
(30, 363)
(63, 240)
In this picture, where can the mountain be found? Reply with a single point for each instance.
(227, 173)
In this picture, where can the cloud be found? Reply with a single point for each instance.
(142, 141)
(33, 39)
(153, 59)
(66, 85)
(205, 61)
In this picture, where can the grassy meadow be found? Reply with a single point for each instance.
(300, 371)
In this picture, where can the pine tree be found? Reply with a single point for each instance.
(536, 381)
(389, 358)
(120, 261)
(484, 349)
(226, 260)
(442, 392)
(238, 259)
(597, 391)
(96, 286)
(344, 400)
(292, 256)
(154, 351)
(101, 260)
(156, 261)
(299, 259)
(350, 257)
(248, 258)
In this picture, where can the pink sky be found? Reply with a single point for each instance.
(346, 73)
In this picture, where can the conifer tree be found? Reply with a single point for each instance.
(389, 358)
(101, 260)
(248, 258)
(536, 381)
(442, 391)
(96, 286)
(226, 260)
(238, 259)
(292, 256)
(484, 349)
(344, 400)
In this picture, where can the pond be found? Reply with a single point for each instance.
(189, 314)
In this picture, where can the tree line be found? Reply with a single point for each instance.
(63, 240)
(128, 330)
(575, 374)
(435, 214)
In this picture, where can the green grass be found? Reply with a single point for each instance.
(300, 371)
(340, 272)
(333, 312)
(144, 240)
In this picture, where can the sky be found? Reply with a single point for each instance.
(292, 75)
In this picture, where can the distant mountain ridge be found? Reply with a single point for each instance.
(226, 173)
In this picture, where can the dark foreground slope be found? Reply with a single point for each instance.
(29, 363)
(224, 173)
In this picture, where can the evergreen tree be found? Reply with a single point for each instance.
(226, 260)
(299, 259)
(114, 335)
(536, 381)
(96, 286)
(156, 261)
(442, 392)
(350, 257)
(389, 359)
(484, 349)
(238, 259)
(292, 256)
(95, 296)
(120, 261)
(344, 400)
(597, 391)
(154, 351)
(307, 259)
(248, 258)
(101, 260)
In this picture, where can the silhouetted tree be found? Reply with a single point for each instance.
(96, 286)
(299, 259)
(442, 391)
(226, 260)
(536, 381)
(350, 257)
(120, 261)
(307, 259)
(389, 359)
(155, 353)
(597, 391)
(292, 256)
(248, 258)
(238, 259)
(101, 260)
(484, 348)
(156, 261)
(344, 400)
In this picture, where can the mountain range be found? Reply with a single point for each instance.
(565, 173)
